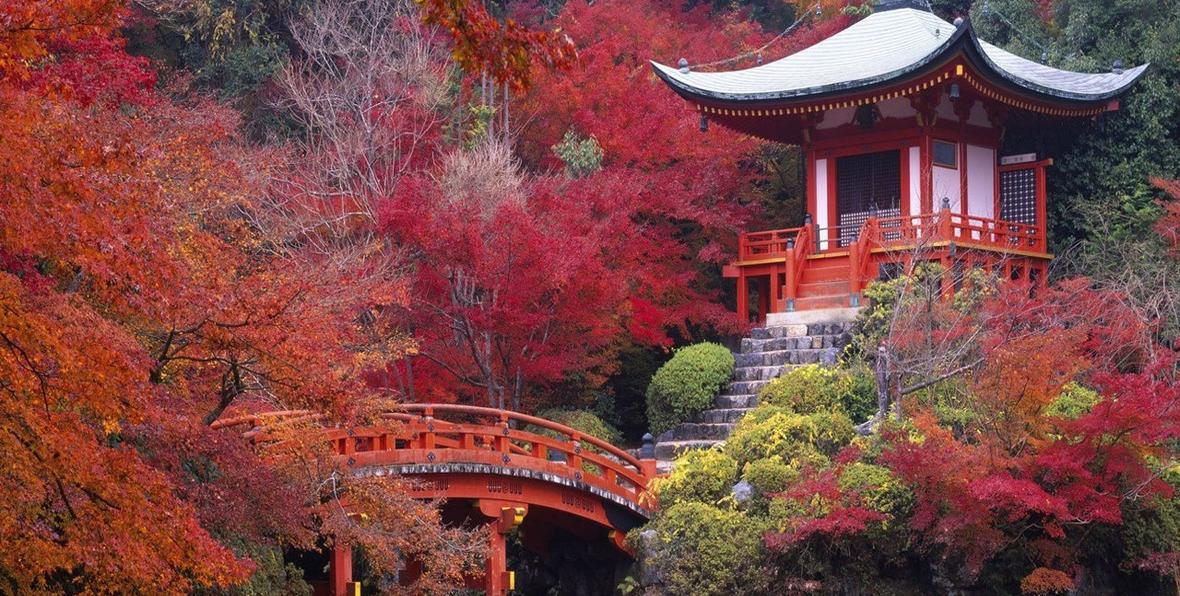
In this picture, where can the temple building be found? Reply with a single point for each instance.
(902, 118)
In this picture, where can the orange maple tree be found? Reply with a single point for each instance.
(139, 300)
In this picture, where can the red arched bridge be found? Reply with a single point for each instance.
(518, 471)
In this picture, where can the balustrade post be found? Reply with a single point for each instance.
(575, 456)
(944, 220)
(789, 293)
(647, 458)
(853, 273)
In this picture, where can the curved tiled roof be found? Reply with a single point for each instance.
(884, 47)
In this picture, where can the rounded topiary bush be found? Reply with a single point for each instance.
(702, 549)
(813, 388)
(687, 384)
(700, 475)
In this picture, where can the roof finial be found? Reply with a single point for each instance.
(759, 60)
(1044, 56)
(1117, 67)
(958, 21)
(683, 64)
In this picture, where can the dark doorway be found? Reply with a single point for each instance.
(866, 183)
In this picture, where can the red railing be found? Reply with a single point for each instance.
(449, 433)
(765, 245)
(998, 234)
(796, 258)
(913, 231)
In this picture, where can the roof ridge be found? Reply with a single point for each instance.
(919, 16)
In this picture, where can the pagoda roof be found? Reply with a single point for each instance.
(884, 48)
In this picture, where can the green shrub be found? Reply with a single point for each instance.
(1073, 402)
(687, 384)
(878, 488)
(770, 475)
(582, 421)
(860, 399)
(805, 439)
(806, 390)
(767, 477)
(705, 550)
(814, 388)
(1154, 527)
(700, 475)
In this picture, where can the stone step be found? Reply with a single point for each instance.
(718, 415)
(738, 388)
(757, 373)
(697, 431)
(780, 357)
(804, 342)
(668, 451)
(800, 330)
(735, 401)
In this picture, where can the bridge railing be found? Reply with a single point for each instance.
(458, 434)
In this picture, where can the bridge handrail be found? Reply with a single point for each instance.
(505, 415)
(613, 464)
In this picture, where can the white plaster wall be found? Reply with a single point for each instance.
(915, 164)
(821, 199)
(946, 184)
(981, 181)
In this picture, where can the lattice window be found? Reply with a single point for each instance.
(1018, 196)
(864, 183)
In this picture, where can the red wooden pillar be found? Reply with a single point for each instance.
(764, 301)
(743, 297)
(340, 571)
(497, 566)
(1042, 206)
(497, 579)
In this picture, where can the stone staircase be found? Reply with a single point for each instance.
(767, 353)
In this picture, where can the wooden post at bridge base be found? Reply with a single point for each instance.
(340, 571)
(507, 517)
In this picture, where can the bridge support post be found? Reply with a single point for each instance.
(497, 579)
(340, 570)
